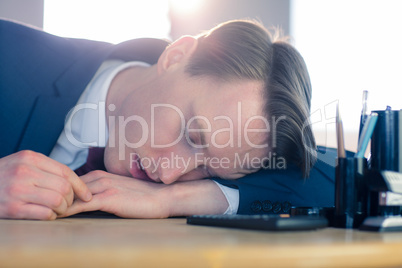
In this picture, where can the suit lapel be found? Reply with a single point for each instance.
(49, 111)
(46, 123)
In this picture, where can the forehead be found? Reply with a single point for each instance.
(222, 98)
(238, 104)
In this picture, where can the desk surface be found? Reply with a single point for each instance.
(82, 242)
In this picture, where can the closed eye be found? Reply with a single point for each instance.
(196, 135)
(191, 138)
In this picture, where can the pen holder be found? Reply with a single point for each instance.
(350, 193)
(386, 144)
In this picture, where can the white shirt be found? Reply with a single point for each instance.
(86, 125)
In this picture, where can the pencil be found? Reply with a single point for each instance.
(363, 116)
(340, 135)
(367, 132)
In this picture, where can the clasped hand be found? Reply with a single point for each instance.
(123, 196)
(34, 186)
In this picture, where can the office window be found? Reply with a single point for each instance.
(350, 46)
(104, 20)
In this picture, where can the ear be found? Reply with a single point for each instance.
(177, 53)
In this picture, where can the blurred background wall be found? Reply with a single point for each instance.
(183, 19)
(27, 11)
(271, 13)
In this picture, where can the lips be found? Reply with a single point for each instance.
(137, 171)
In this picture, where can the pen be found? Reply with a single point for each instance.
(339, 135)
(363, 116)
(366, 134)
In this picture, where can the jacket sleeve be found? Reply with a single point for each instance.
(276, 191)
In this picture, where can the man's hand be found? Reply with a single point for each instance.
(132, 198)
(34, 186)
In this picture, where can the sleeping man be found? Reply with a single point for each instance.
(147, 129)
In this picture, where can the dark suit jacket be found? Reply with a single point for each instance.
(42, 77)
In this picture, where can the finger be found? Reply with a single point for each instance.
(52, 166)
(34, 212)
(56, 184)
(94, 175)
(99, 185)
(45, 198)
(80, 206)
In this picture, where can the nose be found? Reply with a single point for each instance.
(176, 169)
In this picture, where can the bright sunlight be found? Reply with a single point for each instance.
(104, 20)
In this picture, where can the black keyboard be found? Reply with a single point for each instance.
(273, 222)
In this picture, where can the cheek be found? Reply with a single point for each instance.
(167, 125)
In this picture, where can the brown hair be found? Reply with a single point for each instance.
(243, 49)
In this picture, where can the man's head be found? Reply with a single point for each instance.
(246, 50)
(218, 104)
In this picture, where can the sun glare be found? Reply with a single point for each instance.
(351, 46)
(104, 20)
(185, 6)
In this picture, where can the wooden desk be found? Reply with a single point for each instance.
(173, 243)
